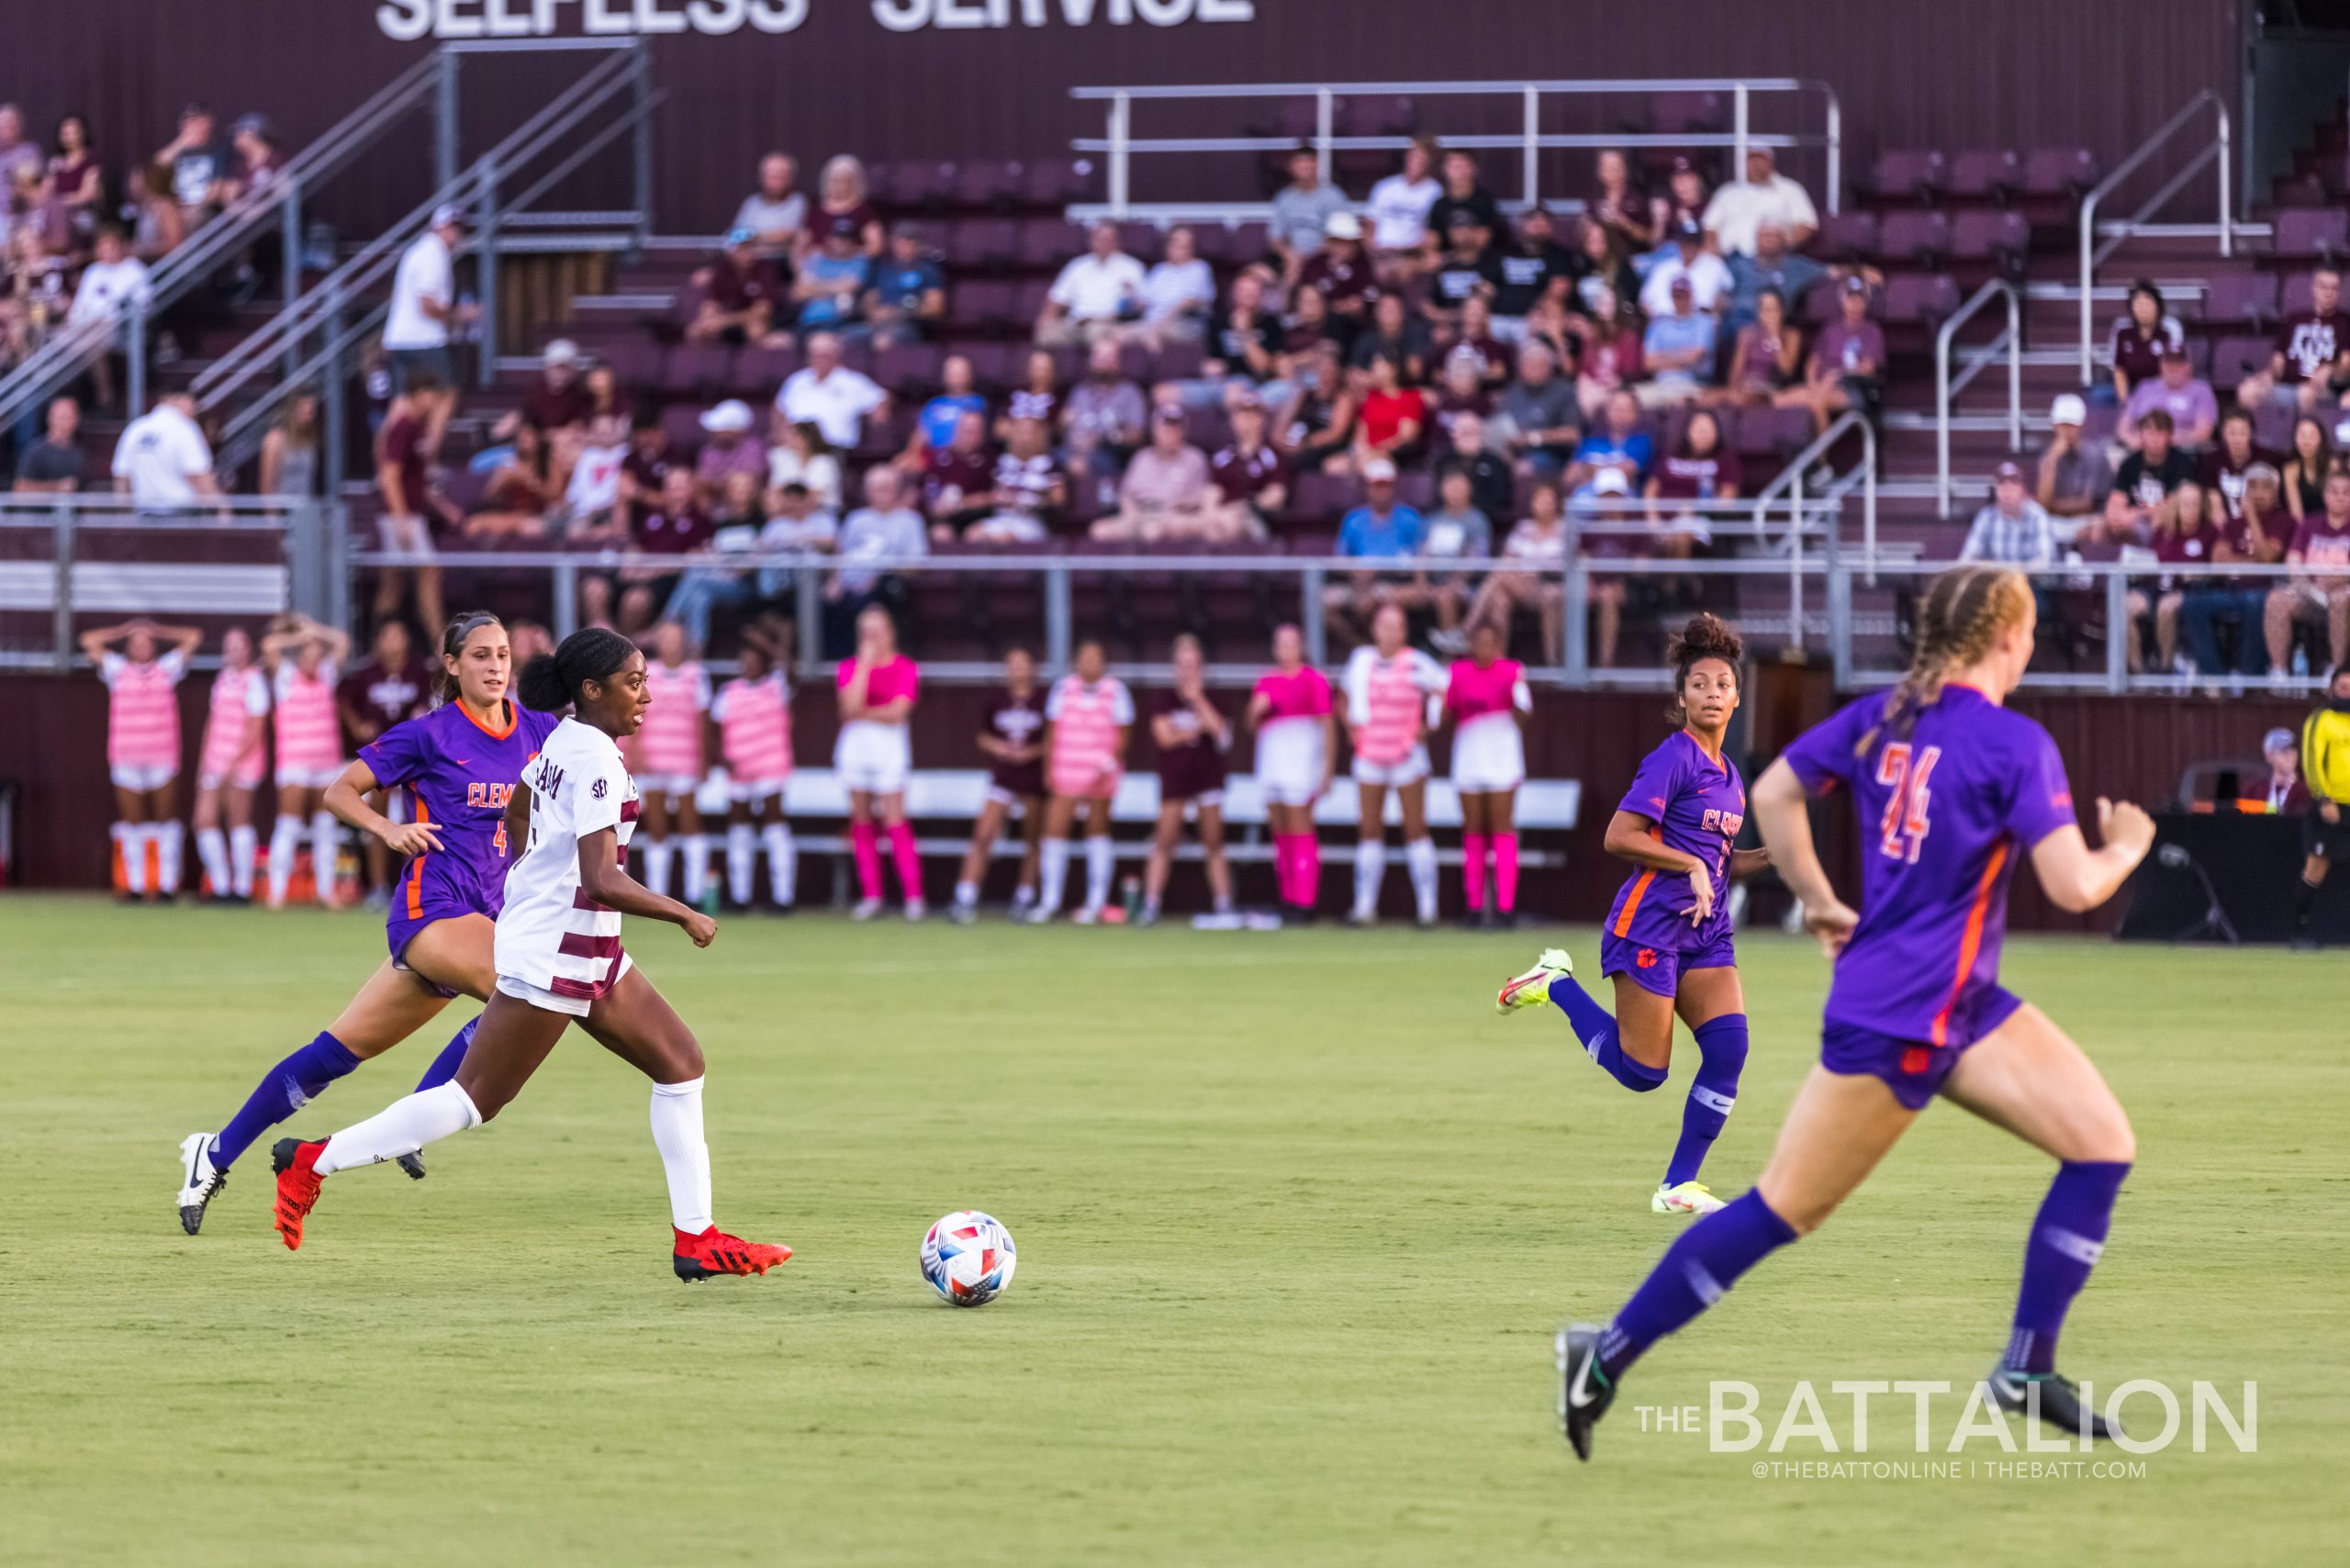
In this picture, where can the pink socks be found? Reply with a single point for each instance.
(1472, 868)
(1505, 872)
(865, 844)
(908, 859)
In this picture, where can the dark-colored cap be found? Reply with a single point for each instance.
(1856, 284)
(2007, 471)
(257, 125)
(2173, 348)
(1689, 232)
(842, 226)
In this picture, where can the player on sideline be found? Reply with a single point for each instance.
(752, 712)
(229, 768)
(559, 958)
(1190, 734)
(1950, 788)
(1389, 685)
(673, 762)
(1487, 699)
(1011, 739)
(1290, 712)
(878, 686)
(458, 763)
(304, 660)
(144, 743)
(1667, 942)
(1086, 720)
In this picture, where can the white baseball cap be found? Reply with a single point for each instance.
(1342, 225)
(562, 350)
(2068, 410)
(1611, 482)
(1378, 471)
(732, 415)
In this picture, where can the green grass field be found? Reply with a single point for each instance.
(1297, 1216)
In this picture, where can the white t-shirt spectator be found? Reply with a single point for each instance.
(1091, 289)
(835, 404)
(595, 483)
(161, 453)
(816, 530)
(820, 473)
(108, 287)
(1708, 278)
(1172, 287)
(425, 273)
(761, 215)
(871, 535)
(1740, 209)
(1399, 212)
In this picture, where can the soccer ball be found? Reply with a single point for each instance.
(968, 1257)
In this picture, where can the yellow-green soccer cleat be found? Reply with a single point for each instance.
(1689, 1198)
(1532, 988)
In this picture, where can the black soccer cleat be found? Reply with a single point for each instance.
(413, 1163)
(200, 1183)
(2052, 1397)
(1584, 1393)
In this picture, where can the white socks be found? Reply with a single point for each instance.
(212, 848)
(1419, 857)
(656, 865)
(1371, 868)
(131, 839)
(169, 840)
(741, 860)
(685, 1155)
(697, 874)
(403, 1127)
(1101, 865)
(1056, 875)
(284, 838)
(242, 842)
(322, 836)
(783, 865)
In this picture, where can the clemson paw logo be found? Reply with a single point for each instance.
(1645, 958)
(596, 789)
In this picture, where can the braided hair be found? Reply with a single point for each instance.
(452, 643)
(551, 682)
(1706, 636)
(1962, 613)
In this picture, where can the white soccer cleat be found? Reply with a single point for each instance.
(865, 909)
(916, 910)
(1532, 988)
(1089, 914)
(1688, 1198)
(201, 1180)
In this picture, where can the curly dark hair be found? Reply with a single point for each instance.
(1706, 636)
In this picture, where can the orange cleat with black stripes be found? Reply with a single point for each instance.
(298, 1186)
(696, 1258)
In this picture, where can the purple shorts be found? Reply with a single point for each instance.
(1913, 1069)
(401, 929)
(1659, 969)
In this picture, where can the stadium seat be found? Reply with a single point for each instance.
(1027, 304)
(1143, 241)
(1233, 245)
(982, 244)
(2060, 172)
(921, 185)
(1321, 498)
(982, 305)
(1058, 182)
(1046, 245)
(2309, 233)
(693, 370)
(1688, 113)
(907, 370)
(1985, 173)
(1996, 235)
(1919, 239)
(681, 423)
(762, 370)
(997, 365)
(2272, 427)
(1919, 298)
(2234, 357)
(989, 182)
(635, 361)
(1176, 361)
(1377, 114)
(1846, 237)
(2247, 298)
(1769, 434)
(1907, 174)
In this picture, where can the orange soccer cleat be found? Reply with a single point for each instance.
(696, 1258)
(298, 1186)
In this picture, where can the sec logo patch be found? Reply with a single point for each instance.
(596, 789)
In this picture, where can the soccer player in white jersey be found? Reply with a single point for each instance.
(558, 959)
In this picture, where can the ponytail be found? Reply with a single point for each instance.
(551, 682)
(452, 643)
(1963, 612)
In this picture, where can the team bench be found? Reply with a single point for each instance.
(940, 796)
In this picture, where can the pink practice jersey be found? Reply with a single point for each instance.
(142, 715)
(1387, 702)
(310, 731)
(754, 728)
(669, 742)
(900, 677)
(1086, 721)
(1303, 693)
(237, 695)
(1476, 691)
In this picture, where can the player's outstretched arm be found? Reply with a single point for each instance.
(1782, 811)
(347, 798)
(2078, 879)
(602, 878)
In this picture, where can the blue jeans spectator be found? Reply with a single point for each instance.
(2200, 615)
(700, 592)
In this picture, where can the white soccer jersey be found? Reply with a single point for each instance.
(550, 935)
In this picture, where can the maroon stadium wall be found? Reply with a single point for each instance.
(989, 78)
(52, 751)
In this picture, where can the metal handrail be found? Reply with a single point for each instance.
(67, 354)
(2091, 253)
(1946, 389)
(1790, 481)
(1119, 145)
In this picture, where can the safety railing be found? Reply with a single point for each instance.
(1790, 487)
(2115, 232)
(1947, 387)
(1120, 146)
(68, 559)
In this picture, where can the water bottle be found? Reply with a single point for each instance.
(1130, 896)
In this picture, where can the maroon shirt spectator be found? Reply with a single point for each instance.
(671, 528)
(952, 476)
(1339, 272)
(374, 695)
(560, 399)
(742, 296)
(1244, 476)
(2139, 338)
(2232, 457)
(2311, 343)
(1194, 765)
(401, 447)
(1692, 479)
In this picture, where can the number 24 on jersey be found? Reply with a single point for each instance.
(1906, 774)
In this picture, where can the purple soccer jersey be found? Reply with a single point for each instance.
(1945, 812)
(1698, 805)
(460, 774)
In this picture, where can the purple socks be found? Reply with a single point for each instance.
(2066, 1238)
(288, 1087)
(1721, 1044)
(453, 1057)
(1695, 1269)
(1596, 1029)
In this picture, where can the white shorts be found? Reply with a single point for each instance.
(1211, 799)
(750, 792)
(1488, 758)
(548, 1001)
(873, 758)
(669, 785)
(1411, 770)
(143, 777)
(247, 778)
(999, 796)
(309, 777)
(405, 536)
(1289, 762)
